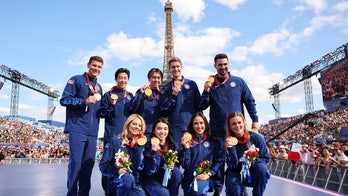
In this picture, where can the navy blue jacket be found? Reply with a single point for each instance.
(79, 117)
(115, 115)
(107, 163)
(154, 163)
(210, 150)
(236, 152)
(226, 98)
(147, 107)
(180, 108)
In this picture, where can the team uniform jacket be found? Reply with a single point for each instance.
(147, 107)
(115, 115)
(79, 116)
(190, 158)
(180, 108)
(106, 164)
(153, 172)
(236, 152)
(225, 98)
(258, 170)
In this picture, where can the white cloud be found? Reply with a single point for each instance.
(269, 43)
(232, 4)
(186, 10)
(316, 5)
(197, 48)
(341, 6)
(259, 80)
(4, 97)
(279, 41)
(125, 48)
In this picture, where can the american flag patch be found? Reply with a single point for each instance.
(70, 81)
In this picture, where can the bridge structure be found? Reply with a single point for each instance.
(18, 79)
(305, 75)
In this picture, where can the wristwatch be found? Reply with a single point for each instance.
(209, 174)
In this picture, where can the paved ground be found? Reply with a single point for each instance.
(50, 180)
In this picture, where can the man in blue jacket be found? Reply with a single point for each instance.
(81, 97)
(225, 94)
(179, 100)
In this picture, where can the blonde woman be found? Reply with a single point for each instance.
(124, 179)
(239, 140)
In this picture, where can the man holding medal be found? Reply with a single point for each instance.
(145, 101)
(179, 100)
(225, 94)
(81, 97)
(114, 108)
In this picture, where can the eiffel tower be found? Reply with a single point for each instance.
(168, 42)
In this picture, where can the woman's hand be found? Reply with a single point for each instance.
(203, 176)
(122, 170)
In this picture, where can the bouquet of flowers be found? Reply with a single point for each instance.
(170, 157)
(203, 167)
(248, 157)
(122, 160)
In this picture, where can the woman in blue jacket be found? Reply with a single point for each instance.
(155, 180)
(121, 178)
(199, 147)
(245, 170)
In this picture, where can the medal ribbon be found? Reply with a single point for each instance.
(95, 89)
(182, 81)
(245, 138)
(154, 94)
(160, 151)
(124, 91)
(134, 140)
(217, 82)
(204, 138)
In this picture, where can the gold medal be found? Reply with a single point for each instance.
(187, 136)
(232, 140)
(177, 83)
(155, 141)
(97, 96)
(148, 91)
(211, 79)
(142, 140)
(114, 96)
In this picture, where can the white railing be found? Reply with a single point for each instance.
(332, 178)
(38, 161)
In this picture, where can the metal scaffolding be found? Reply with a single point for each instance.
(18, 79)
(305, 75)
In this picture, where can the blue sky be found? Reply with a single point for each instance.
(266, 41)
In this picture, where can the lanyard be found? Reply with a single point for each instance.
(154, 94)
(134, 140)
(182, 81)
(124, 92)
(204, 138)
(95, 89)
(245, 138)
(160, 151)
(217, 82)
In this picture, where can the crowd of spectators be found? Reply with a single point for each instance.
(320, 139)
(28, 139)
(315, 134)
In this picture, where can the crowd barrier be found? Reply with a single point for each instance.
(332, 178)
(36, 161)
